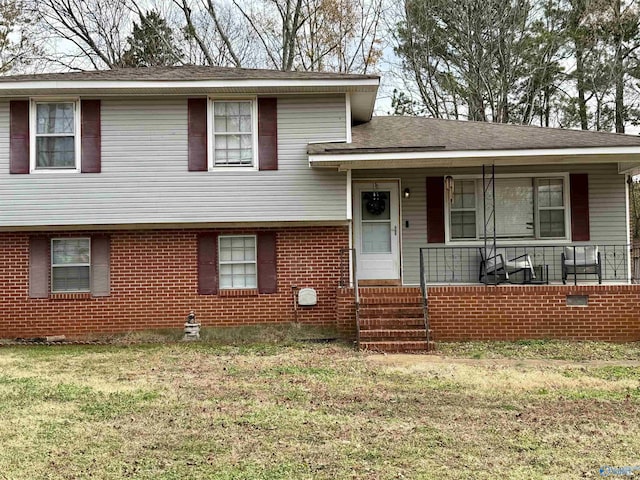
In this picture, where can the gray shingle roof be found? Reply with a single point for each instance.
(184, 73)
(401, 134)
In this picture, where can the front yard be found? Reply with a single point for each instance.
(318, 411)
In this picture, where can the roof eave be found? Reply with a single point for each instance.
(471, 158)
(363, 90)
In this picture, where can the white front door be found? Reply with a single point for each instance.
(376, 218)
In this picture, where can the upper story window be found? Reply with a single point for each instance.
(233, 133)
(55, 137)
(525, 208)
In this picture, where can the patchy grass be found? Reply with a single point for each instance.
(544, 349)
(268, 411)
(246, 335)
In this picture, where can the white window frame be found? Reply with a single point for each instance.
(237, 262)
(52, 265)
(464, 210)
(211, 166)
(524, 241)
(33, 129)
(564, 207)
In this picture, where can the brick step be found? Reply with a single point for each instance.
(391, 323)
(390, 312)
(391, 300)
(388, 291)
(393, 334)
(398, 346)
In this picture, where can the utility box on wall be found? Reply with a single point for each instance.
(307, 297)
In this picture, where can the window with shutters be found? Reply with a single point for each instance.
(70, 265)
(233, 134)
(531, 207)
(55, 135)
(237, 257)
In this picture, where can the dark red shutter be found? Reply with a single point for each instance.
(100, 265)
(268, 133)
(39, 264)
(435, 210)
(579, 192)
(19, 136)
(267, 271)
(91, 142)
(208, 263)
(197, 111)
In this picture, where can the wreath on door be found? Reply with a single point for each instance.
(376, 202)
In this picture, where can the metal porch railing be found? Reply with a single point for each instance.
(452, 264)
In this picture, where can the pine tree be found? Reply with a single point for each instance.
(151, 43)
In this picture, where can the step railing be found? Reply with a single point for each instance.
(635, 262)
(349, 279)
(425, 298)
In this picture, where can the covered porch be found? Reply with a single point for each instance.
(506, 232)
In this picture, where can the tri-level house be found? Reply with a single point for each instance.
(130, 197)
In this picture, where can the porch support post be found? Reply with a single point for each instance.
(627, 210)
(350, 219)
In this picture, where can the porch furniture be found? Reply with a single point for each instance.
(542, 275)
(581, 260)
(495, 264)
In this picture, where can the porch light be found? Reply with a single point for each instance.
(407, 193)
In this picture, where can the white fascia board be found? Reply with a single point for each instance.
(473, 154)
(184, 84)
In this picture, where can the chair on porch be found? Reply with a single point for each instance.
(581, 260)
(495, 264)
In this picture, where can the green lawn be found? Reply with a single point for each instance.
(304, 410)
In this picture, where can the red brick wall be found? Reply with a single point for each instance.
(154, 285)
(523, 312)
(346, 313)
(535, 312)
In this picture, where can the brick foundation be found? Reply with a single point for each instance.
(154, 284)
(459, 313)
(535, 312)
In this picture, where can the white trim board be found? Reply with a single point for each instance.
(462, 158)
(172, 84)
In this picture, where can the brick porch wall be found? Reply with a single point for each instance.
(527, 312)
(154, 283)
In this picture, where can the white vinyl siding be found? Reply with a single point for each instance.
(145, 177)
(606, 205)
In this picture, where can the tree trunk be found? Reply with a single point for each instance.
(582, 104)
(618, 67)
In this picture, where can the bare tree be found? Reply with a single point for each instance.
(93, 32)
(17, 47)
(340, 35)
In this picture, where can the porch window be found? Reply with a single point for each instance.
(525, 208)
(463, 210)
(551, 208)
